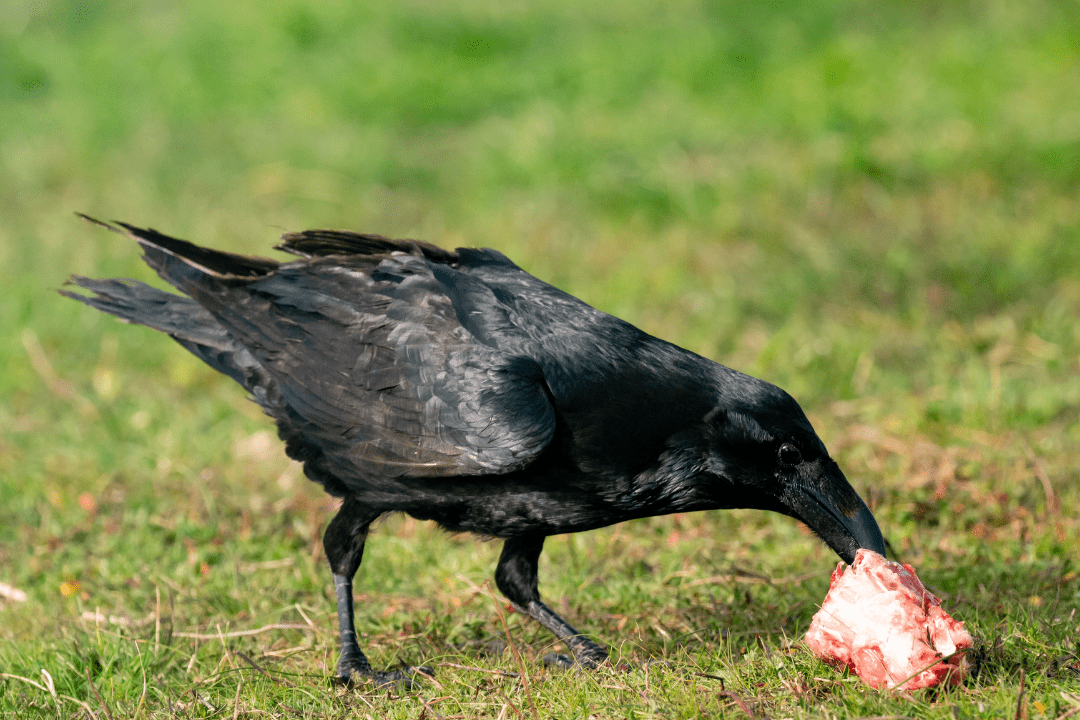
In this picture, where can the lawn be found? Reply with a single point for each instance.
(872, 205)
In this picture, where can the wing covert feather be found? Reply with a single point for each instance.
(375, 368)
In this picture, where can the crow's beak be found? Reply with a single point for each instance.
(832, 509)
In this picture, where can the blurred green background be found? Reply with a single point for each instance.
(873, 205)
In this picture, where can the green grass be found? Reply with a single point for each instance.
(872, 205)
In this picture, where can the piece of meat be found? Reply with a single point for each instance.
(881, 623)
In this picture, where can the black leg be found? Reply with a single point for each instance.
(516, 578)
(344, 545)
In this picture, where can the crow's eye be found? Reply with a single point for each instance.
(790, 455)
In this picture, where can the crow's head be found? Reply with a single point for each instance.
(766, 455)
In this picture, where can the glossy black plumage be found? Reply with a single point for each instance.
(457, 388)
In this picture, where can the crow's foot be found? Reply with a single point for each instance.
(403, 679)
(563, 662)
(584, 661)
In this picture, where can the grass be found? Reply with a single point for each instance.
(871, 205)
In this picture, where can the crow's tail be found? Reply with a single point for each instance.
(181, 318)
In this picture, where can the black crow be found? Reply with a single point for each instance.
(456, 387)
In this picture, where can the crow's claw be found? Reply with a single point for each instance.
(563, 662)
(403, 679)
(582, 662)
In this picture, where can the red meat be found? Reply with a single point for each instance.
(882, 624)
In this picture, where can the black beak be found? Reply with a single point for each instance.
(832, 509)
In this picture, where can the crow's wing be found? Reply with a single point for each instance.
(375, 367)
(376, 374)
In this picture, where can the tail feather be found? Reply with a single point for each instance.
(136, 302)
(184, 320)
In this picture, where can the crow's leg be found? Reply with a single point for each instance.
(516, 578)
(344, 545)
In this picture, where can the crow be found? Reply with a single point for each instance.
(455, 387)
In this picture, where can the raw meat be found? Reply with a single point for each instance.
(881, 623)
